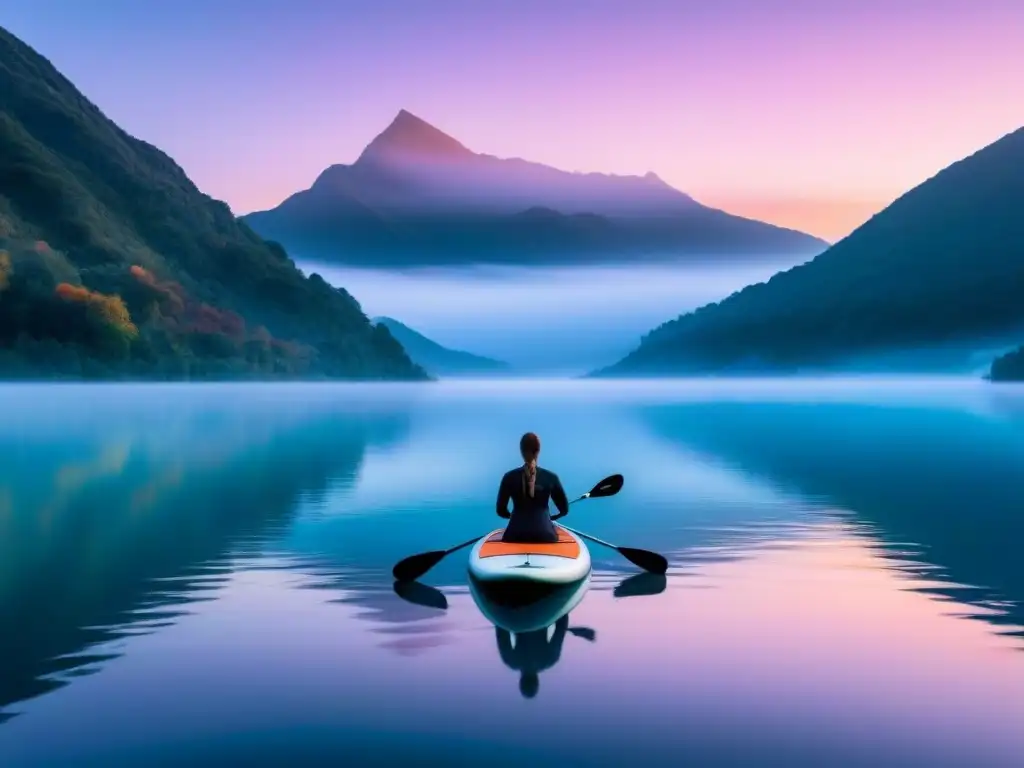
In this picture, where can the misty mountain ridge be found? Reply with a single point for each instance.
(941, 268)
(439, 360)
(420, 169)
(416, 196)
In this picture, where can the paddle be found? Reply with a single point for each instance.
(414, 566)
(607, 487)
(649, 561)
(421, 594)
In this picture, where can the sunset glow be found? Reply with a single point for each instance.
(810, 115)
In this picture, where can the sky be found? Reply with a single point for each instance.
(812, 114)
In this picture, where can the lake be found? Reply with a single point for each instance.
(200, 574)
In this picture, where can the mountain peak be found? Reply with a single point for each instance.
(411, 137)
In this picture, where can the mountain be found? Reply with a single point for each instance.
(1008, 367)
(436, 359)
(942, 268)
(418, 197)
(113, 264)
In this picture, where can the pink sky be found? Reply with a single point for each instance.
(809, 114)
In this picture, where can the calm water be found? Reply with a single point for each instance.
(200, 575)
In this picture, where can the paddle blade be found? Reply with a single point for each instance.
(607, 487)
(585, 632)
(414, 566)
(641, 584)
(649, 561)
(420, 594)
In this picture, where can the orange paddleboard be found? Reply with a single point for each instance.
(561, 562)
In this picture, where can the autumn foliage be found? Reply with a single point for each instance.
(209, 328)
(110, 309)
(207, 319)
(167, 293)
(188, 315)
(131, 321)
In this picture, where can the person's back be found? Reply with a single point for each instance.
(530, 489)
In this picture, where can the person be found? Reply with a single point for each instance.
(529, 488)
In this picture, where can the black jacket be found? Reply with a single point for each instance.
(530, 519)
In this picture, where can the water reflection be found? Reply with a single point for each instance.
(530, 653)
(936, 491)
(529, 636)
(115, 531)
(800, 610)
(641, 585)
(421, 594)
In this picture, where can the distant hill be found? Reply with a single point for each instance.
(418, 197)
(1008, 367)
(113, 264)
(942, 266)
(439, 360)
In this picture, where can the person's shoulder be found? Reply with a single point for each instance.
(547, 474)
(511, 473)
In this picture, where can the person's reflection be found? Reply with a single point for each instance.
(533, 652)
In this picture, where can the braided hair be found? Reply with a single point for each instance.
(529, 447)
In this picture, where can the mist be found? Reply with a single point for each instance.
(544, 320)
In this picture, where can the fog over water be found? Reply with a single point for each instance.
(554, 320)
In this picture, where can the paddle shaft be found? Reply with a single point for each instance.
(589, 537)
(649, 561)
(464, 544)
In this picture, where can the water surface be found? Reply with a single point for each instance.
(199, 574)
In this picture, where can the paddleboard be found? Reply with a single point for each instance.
(541, 613)
(493, 561)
